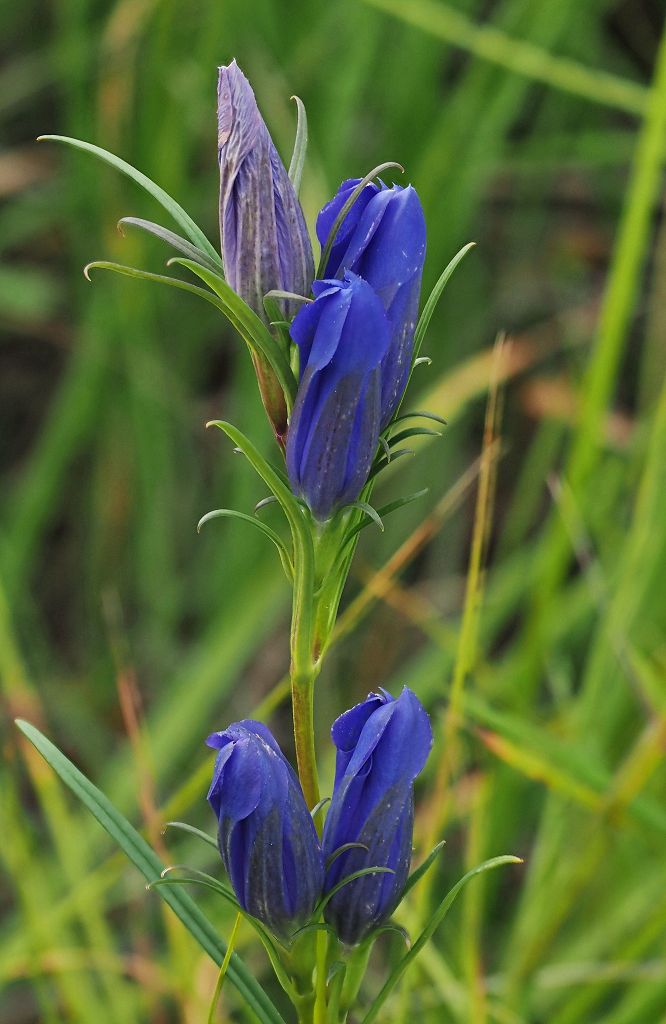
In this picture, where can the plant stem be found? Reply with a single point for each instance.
(303, 668)
(302, 702)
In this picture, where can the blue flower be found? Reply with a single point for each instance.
(265, 243)
(382, 745)
(266, 835)
(383, 240)
(342, 337)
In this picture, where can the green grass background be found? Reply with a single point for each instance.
(537, 129)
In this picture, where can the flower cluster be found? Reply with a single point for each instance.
(333, 349)
(280, 871)
(355, 335)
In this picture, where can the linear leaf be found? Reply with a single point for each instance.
(183, 826)
(346, 207)
(429, 930)
(150, 866)
(433, 298)
(188, 249)
(300, 146)
(231, 513)
(192, 230)
(248, 325)
(420, 871)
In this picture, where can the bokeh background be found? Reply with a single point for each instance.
(526, 604)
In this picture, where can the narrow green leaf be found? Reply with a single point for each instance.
(212, 1012)
(230, 513)
(428, 931)
(420, 871)
(346, 881)
(270, 500)
(188, 249)
(183, 826)
(248, 325)
(192, 230)
(382, 463)
(384, 511)
(319, 806)
(343, 849)
(275, 481)
(148, 863)
(346, 207)
(433, 298)
(206, 882)
(419, 414)
(278, 293)
(363, 506)
(300, 146)
(404, 435)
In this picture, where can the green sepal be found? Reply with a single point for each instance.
(433, 299)
(350, 878)
(278, 293)
(195, 877)
(269, 500)
(320, 806)
(383, 462)
(372, 513)
(346, 207)
(192, 230)
(183, 826)
(343, 849)
(148, 863)
(300, 145)
(384, 511)
(435, 920)
(419, 414)
(420, 871)
(404, 435)
(264, 937)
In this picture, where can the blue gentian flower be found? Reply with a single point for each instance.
(382, 745)
(342, 338)
(383, 240)
(265, 243)
(266, 835)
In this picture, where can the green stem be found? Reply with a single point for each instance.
(302, 701)
(357, 965)
(320, 1014)
(303, 667)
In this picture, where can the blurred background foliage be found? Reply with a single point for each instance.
(526, 604)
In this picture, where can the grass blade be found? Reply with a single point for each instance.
(192, 230)
(429, 930)
(150, 866)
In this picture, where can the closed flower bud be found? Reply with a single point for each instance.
(383, 240)
(382, 745)
(265, 243)
(342, 339)
(265, 832)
